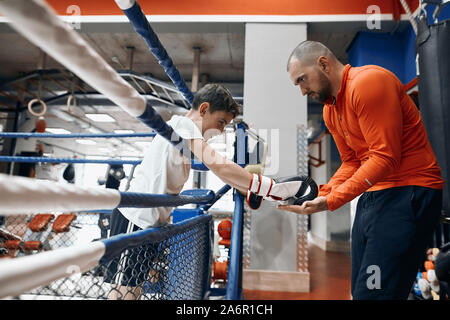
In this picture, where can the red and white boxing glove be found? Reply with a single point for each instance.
(292, 190)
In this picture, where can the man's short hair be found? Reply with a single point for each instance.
(218, 97)
(308, 51)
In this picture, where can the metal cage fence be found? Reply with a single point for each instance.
(171, 262)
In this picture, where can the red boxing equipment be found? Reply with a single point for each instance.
(41, 124)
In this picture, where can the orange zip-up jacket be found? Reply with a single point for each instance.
(380, 136)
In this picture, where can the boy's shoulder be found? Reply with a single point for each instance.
(185, 127)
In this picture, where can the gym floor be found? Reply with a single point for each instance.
(329, 276)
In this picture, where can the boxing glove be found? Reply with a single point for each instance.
(288, 190)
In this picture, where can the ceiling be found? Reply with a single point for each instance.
(222, 48)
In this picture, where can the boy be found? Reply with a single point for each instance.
(164, 170)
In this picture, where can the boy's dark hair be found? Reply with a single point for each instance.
(218, 97)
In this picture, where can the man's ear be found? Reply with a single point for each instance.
(203, 108)
(323, 63)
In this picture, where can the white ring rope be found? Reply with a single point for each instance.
(22, 274)
(20, 195)
(37, 114)
(40, 25)
(410, 15)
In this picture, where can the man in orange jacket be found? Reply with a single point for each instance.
(386, 157)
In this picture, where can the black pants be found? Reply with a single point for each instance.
(133, 265)
(390, 234)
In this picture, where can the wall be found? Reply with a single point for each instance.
(395, 52)
(321, 176)
(231, 7)
(329, 230)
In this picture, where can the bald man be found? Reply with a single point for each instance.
(386, 157)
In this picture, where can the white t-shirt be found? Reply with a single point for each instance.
(162, 171)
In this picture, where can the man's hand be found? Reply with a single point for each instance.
(308, 207)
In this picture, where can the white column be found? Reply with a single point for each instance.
(274, 106)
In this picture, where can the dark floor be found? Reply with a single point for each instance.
(329, 279)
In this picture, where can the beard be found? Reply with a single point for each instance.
(324, 93)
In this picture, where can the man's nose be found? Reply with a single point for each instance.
(303, 90)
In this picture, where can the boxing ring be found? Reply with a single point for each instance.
(170, 262)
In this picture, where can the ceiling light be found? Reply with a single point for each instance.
(100, 117)
(123, 131)
(57, 130)
(86, 142)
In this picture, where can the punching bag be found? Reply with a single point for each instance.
(69, 173)
(433, 48)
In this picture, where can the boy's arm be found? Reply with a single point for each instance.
(228, 171)
(295, 187)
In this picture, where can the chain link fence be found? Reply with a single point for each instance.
(172, 262)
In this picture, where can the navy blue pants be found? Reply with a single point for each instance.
(390, 235)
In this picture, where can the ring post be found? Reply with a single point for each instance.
(234, 278)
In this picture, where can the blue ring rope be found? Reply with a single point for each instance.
(221, 192)
(153, 119)
(145, 200)
(116, 244)
(143, 28)
(74, 135)
(234, 285)
(194, 165)
(65, 160)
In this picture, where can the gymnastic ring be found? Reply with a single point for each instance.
(44, 107)
(69, 100)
